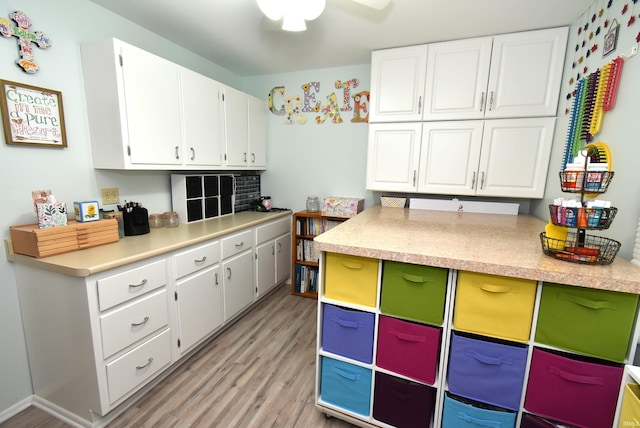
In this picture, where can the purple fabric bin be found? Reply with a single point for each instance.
(486, 371)
(573, 391)
(402, 403)
(348, 333)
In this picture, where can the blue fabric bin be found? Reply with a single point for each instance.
(346, 386)
(486, 371)
(457, 414)
(348, 333)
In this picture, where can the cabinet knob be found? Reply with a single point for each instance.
(193, 153)
(473, 180)
(228, 273)
(482, 101)
(177, 152)
(482, 180)
(491, 101)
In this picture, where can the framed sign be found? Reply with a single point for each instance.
(32, 116)
(611, 39)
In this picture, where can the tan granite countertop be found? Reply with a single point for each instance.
(486, 243)
(131, 249)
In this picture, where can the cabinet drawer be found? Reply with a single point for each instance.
(573, 391)
(497, 371)
(140, 364)
(236, 244)
(414, 292)
(402, 403)
(408, 349)
(586, 320)
(346, 386)
(630, 411)
(197, 258)
(351, 279)
(133, 321)
(130, 284)
(348, 333)
(459, 414)
(494, 306)
(272, 230)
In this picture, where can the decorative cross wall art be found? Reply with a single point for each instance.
(25, 38)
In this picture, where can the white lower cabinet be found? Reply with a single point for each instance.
(273, 253)
(96, 342)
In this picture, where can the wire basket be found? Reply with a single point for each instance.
(581, 248)
(585, 181)
(584, 218)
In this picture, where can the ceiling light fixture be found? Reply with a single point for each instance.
(293, 13)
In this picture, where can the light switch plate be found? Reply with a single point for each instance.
(110, 196)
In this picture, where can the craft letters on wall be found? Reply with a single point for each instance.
(25, 39)
(295, 108)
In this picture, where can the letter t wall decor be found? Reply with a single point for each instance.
(25, 38)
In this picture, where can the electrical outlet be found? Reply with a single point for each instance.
(110, 196)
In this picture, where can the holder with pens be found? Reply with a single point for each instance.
(135, 217)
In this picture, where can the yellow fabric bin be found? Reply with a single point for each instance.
(630, 411)
(351, 279)
(494, 306)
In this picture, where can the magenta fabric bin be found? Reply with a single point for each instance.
(577, 392)
(348, 333)
(402, 403)
(408, 349)
(486, 371)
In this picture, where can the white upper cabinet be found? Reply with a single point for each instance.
(245, 130)
(457, 75)
(526, 73)
(257, 133)
(202, 116)
(397, 84)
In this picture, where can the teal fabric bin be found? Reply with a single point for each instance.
(461, 413)
(346, 386)
(414, 292)
(588, 321)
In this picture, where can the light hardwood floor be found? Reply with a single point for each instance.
(258, 373)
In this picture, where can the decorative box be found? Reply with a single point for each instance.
(87, 211)
(336, 206)
(393, 202)
(51, 214)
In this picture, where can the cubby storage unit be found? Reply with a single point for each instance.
(304, 264)
(202, 196)
(628, 412)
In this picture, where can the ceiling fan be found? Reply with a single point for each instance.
(294, 13)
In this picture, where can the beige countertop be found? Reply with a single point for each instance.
(486, 243)
(135, 248)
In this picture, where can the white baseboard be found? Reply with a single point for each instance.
(15, 409)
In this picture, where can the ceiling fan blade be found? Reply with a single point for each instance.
(375, 4)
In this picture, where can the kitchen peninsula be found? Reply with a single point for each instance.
(430, 283)
(104, 324)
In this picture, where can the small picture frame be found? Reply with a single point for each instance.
(32, 116)
(611, 39)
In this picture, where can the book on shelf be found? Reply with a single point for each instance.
(305, 279)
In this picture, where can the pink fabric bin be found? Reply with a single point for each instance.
(408, 348)
(573, 391)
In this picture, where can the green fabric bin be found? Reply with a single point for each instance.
(589, 321)
(414, 292)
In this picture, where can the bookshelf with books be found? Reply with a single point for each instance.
(304, 265)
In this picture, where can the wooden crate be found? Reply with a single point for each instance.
(30, 240)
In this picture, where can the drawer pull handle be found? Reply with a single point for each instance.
(479, 422)
(240, 245)
(345, 323)
(493, 288)
(572, 377)
(494, 361)
(592, 304)
(138, 324)
(344, 374)
(352, 265)
(143, 282)
(407, 337)
(202, 260)
(415, 278)
(149, 361)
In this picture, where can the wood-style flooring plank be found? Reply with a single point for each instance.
(258, 373)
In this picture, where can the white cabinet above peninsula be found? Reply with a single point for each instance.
(147, 113)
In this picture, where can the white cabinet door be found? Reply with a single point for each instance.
(526, 72)
(257, 133)
(457, 74)
(283, 258)
(152, 97)
(397, 84)
(201, 112)
(237, 273)
(199, 306)
(265, 267)
(393, 156)
(236, 125)
(449, 157)
(515, 157)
